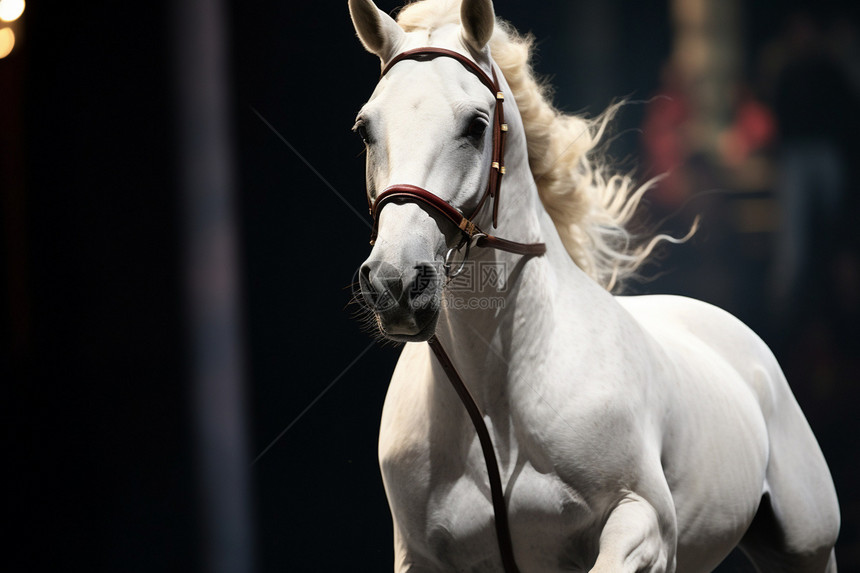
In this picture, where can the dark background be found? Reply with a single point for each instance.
(95, 353)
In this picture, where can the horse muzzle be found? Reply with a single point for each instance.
(406, 301)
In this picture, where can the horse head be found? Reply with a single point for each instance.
(427, 125)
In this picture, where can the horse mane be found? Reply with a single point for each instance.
(589, 203)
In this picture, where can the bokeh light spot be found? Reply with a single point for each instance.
(11, 10)
(7, 42)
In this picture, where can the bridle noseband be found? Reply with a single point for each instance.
(411, 193)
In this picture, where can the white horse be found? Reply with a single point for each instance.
(650, 433)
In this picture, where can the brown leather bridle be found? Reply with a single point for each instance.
(470, 232)
(411, 193)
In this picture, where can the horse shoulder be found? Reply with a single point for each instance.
(586, 414)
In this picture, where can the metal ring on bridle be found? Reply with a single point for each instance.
(449, 256)
(467, 242)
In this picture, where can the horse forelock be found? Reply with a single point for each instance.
(429, 14)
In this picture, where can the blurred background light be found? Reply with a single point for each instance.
(11, 10)
(7, 42)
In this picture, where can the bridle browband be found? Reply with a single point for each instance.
(470, 232)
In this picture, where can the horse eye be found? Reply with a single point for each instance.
(361, 130)
(477, 128)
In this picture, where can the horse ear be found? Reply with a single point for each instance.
(378, 31)
(478, 19)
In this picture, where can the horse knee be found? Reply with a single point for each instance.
(632, 540)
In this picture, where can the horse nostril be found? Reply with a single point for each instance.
(364, 277)
(423, 285)
(381, 285)
(369, 291)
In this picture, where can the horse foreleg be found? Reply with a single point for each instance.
(633, 540)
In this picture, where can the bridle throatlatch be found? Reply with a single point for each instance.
(471, 232)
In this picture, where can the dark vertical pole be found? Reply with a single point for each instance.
(206, 170)
(13, 205)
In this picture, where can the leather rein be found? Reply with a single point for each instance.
(470, 233)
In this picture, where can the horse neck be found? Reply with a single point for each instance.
(490, 331)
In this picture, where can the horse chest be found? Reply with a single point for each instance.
(547, 519)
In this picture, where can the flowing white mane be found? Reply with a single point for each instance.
(588, 202)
